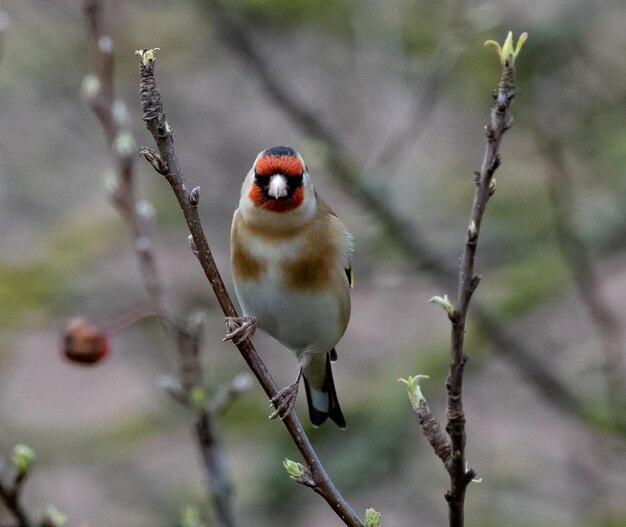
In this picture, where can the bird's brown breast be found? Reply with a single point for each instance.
(245, 266)
(314, 268)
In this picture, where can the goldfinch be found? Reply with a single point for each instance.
(291, 266)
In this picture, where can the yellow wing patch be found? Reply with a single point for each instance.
(350, 276)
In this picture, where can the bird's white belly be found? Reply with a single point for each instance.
(302, 321)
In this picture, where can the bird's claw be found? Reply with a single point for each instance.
(284, 401)
(239, 329)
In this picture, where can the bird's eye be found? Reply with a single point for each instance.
(295, 181)
(262, 181)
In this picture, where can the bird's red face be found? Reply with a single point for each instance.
(278, 180)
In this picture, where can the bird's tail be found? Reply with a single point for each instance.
(322, 398)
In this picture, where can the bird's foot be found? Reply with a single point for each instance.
(239, 329)
(285, 400)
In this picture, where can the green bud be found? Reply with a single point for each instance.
(124, 144)
(507, 52)
(54, 516)
(372, 518)
(23, 457)
(147, 55)
(90, 88)
(189, 516)
(198, 397)
(413, 388)
(444, 302)
(293, 469)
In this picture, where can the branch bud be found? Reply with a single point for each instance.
(372, 518)
(154, 159)
(53, 517)
(293, 469)
(90, 88)
(105, 45)
(507, 52)
(124, 144)
(413, 389)
(23, 457)
(198, 398)
(472, 472)
(145, 211)
(120, 114)
(147, 55)
(472, 231)
(194, 197)
(443, 302)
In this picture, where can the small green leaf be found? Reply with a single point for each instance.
(54, 516)
(147, 55)
(23, 457)
(444, 302)
(372, 518)
(507, 52)
(292, 468)
(413, 389)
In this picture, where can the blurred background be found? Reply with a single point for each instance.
(387, 102)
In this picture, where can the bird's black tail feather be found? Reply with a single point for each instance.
(323, 401)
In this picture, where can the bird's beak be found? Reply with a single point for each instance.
(278, 186)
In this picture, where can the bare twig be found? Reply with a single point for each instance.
(161, 131)
(438, 439)
(236, 34)
(451, 448)
(577, 257)
(500, 122)
(138, 216)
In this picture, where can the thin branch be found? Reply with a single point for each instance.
(436, 436)
(577, 257)
(500, 121)
(138, 216)
(236, 34)
(113, 116)
(161, 131)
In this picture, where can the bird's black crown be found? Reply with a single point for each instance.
(280, 151)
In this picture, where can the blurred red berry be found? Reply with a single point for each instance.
(84, 343)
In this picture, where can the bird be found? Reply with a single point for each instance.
(291, 263)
